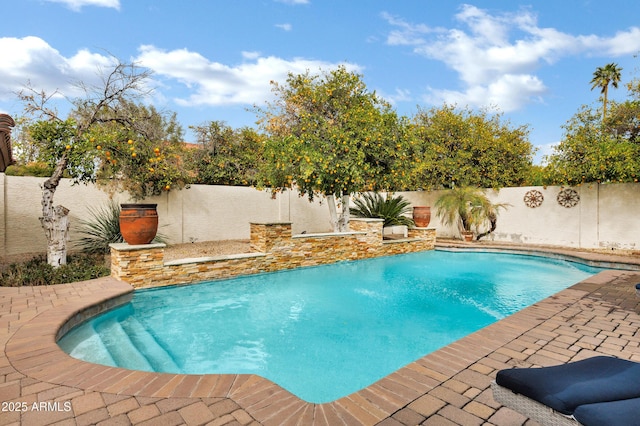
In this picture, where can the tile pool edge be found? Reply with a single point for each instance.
(588, 259)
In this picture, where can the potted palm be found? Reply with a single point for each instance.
(469, 209)
(392, 209)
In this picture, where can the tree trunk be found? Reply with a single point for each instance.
(333, 213)
(604, 102)
(343, 221)
(339, 224)
(55, 220)
(493, 223)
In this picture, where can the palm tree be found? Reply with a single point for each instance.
(610, 74)
(468, 208)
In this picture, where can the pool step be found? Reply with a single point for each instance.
(83, 343)
(149, 347)
(123, 351)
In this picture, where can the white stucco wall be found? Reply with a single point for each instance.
(199, 213)
(606, 215)
(209, 212)
(21, 208)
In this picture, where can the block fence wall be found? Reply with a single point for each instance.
(273, 247)
(605, 216)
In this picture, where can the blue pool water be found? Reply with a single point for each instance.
(321, 332)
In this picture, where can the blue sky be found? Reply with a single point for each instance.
(213, 60)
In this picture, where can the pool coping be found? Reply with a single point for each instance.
(33, 352)
(590, 258)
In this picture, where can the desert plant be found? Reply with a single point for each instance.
(469, 209)
(391, 209)
(102, 229)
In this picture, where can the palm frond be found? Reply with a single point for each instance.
(468, 207)
(391, 209)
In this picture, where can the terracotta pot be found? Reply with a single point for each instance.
(138, 223)
(422, 216)
(468, 236)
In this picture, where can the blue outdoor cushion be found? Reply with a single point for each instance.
(615, 413)
(564, 387)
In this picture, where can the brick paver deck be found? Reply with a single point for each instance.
(41, 385)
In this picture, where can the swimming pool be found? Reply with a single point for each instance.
(321, 332)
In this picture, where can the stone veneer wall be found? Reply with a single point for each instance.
(273, 248)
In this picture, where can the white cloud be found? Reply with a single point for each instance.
(496, 56)
(622, 43)
(250, 55)
(508, 93)
(406, 34)
(399, 95)
(285, 27)
(213, 83)
(76, 5)
(33, 61)
(30, 60)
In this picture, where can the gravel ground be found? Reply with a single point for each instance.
(206, 249)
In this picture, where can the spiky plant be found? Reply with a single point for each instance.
(391, 209)
(102, 229)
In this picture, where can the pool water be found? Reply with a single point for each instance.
(322, 332)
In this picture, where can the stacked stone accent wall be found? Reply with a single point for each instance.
(273, 248)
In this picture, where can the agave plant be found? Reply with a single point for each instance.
(391, 209)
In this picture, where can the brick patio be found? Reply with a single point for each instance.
(448, 387)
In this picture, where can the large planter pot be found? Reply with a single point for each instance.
(422, 216)
(138, 223)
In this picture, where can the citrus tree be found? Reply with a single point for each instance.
(460, 147)
(599, 149)
(328, 135)
(135, 160)
(226, 156)
(108, 137)
(592, 151)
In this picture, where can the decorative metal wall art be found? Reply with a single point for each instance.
(533, 198)
(568, 198)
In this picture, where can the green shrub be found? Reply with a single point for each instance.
(37, 271)
(30, 169)
(391, 209)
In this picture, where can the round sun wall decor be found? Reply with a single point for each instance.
(533, 198)
(568, 198)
